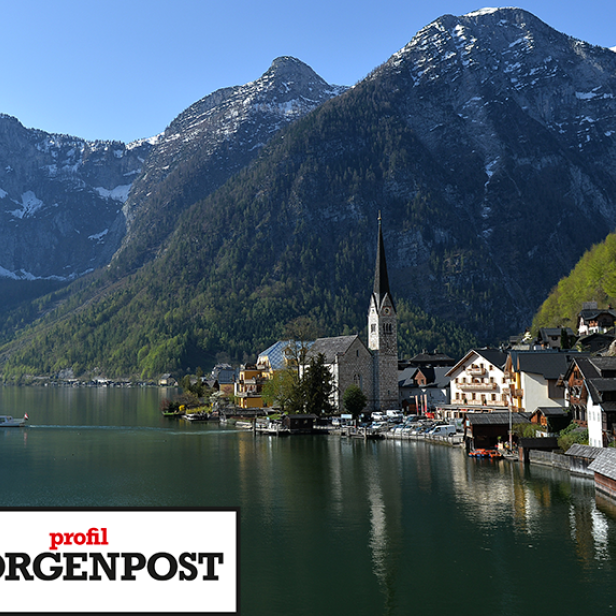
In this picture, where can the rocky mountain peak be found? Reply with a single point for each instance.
(292, 77)
(220, 134)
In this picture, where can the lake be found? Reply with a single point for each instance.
(328, 525)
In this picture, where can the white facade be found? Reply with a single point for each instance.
(477, 382)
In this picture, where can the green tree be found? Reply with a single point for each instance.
(317, 386)
(354, 400)
(283, 391)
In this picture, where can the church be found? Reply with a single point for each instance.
(373, 368)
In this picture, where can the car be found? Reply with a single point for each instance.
(446, 430)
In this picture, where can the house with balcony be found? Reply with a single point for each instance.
(249, 387)
(590, 393)
(535, 378)
(478, 383)
(592, 319)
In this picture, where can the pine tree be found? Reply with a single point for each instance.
(317, 386)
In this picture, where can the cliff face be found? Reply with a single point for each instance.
(61, 201)
(516, 127)
(67, 205)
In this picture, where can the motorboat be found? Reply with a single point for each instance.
(7, 421)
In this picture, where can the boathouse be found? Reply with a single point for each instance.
(299, 423)
(486, 430)
(604, 467)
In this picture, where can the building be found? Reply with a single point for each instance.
(604, 469)
(487, 430)
(535, 378)
(350, 363)
(425, 386)
(432, 360)
(478, 382)
(248, 389)
(224, 378)
(590, 384)
(249, 383)
(595, 320)
(373, 368)
(553, 337)
(553, 419)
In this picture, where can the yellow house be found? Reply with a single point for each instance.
(249, 386)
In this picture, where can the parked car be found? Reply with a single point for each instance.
(447, 430)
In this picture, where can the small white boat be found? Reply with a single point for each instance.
(6, 421)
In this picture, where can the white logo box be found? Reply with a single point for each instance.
(163, 560)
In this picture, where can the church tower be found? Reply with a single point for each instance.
(383, 335)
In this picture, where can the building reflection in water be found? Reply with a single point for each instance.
(384, 488)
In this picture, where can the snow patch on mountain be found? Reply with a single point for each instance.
(98, 236)
(119, 193)
(30, 204)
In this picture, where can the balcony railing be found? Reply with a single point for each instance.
(478, 386)
(476, 371)
(482, 403)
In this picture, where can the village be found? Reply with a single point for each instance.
(546, 399)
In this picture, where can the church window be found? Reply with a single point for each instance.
(373, 328)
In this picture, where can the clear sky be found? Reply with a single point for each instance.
(123, 69)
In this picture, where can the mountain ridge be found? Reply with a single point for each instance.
(487, 143)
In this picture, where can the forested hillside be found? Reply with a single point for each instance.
(592, 279)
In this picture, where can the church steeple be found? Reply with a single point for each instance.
(383, 334)
(381, 279)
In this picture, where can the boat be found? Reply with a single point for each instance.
(197, 416)
(493, 454)
(6, 421)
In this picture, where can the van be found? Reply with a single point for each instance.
(442, 431)
(395, 416)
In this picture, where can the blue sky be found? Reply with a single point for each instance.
(123, 69)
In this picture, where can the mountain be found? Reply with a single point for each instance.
(67, 205)
(209, 142)
(61, 201)
(488, 145)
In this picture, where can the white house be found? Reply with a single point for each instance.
(478, 381)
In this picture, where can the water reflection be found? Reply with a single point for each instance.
(330, 525)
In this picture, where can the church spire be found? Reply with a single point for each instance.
(381, 279)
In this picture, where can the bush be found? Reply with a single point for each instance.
(571, 435)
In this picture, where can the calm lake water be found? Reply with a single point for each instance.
(328, 525)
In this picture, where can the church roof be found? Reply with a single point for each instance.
(381, 278)
(331, 347)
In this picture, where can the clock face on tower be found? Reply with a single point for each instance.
(386, 310)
